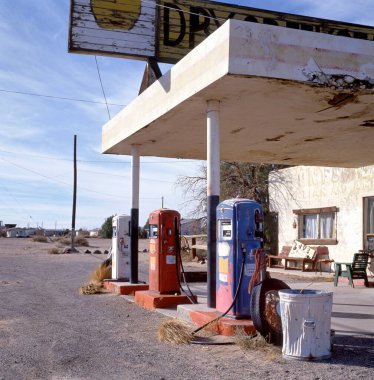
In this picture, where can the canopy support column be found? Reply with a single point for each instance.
(134, 233)
(213, 192)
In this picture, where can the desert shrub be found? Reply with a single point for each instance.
(64, 241)
(257, 344)
(54, 251)
(80, 240)
(177, 332)
(91, 288)
(102, 272)
(39, 239)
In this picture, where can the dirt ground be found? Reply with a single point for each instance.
(49, 331)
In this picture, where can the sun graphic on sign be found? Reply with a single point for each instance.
(116, 14)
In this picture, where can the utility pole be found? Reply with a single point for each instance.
(74, 196)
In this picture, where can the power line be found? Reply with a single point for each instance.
(94, 161)
(60, 98)
(125, 176)
(180, 161)
(68, 184)
(11, 195)
(183, 11)
(102, 87)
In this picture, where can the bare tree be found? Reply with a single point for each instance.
(238, 179)
(195, 188)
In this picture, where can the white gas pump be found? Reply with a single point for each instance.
(121, 245)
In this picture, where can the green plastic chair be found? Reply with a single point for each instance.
(353, 271)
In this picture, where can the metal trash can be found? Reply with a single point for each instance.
(306, 324)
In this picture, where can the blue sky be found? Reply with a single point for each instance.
(36, 133)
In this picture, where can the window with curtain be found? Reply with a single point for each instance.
(317, 226)
(327, 225)
(310, 226)
(370, 217)
(369, 223)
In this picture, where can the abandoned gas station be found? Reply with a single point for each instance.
(249, 91)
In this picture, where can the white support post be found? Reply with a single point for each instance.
(135, 179)
(213, 192)
(135, 171)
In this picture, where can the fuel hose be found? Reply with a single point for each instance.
(191, 297)
(244, 252)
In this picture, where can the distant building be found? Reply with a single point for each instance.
(82, 233)
(18, 232)
(95, 232)
(54, 232)
(6, 225)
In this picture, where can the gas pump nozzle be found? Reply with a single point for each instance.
(244, 250)
(262, 266)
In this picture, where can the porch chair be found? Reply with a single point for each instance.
(354, 270)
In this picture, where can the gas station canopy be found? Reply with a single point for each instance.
(286, 96)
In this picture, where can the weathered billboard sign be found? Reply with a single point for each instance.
(124, 28)
(168, 29)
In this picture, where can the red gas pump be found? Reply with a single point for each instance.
(164, 263)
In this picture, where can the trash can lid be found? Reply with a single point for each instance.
(305, 292)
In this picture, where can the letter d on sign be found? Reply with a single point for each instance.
(173, 38)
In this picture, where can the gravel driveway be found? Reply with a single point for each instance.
(49, 331)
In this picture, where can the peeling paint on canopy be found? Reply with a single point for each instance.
(281, 100)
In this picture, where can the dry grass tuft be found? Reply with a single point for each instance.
(176, 332)
(54, 251)
(273, 354)
(64, 241)
(95, 284)
(39, 239)
(249, 342)
(102, 273)
(78, 241)
(91, 288)
(257, 343)
(81, 241)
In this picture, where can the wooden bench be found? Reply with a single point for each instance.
(320, 262)
(303, 257)
(304, 261)
(275, 261)
(194, 246)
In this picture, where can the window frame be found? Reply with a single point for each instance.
(316, 211)
(366, 233)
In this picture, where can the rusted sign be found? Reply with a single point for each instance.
(168, 29)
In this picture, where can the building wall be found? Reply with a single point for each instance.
(316, 187)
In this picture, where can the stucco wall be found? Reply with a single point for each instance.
(315, 187)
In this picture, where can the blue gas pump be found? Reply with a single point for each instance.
(240, 235)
